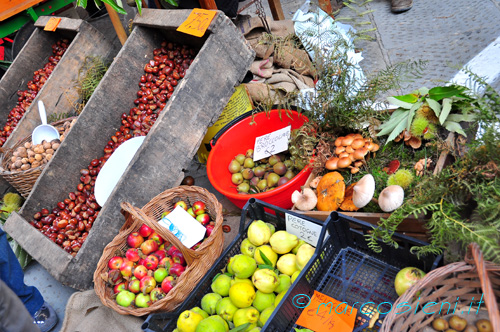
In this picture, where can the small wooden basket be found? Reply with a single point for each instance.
(23, 181)
(198, 261)
(469, 282)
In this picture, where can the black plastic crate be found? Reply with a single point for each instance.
(253, 210)
(348, 271)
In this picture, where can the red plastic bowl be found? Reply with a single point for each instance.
(238, 139)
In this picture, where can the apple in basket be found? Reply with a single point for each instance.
(148, 283)
(149, 246)
(115, 262)
(140, 271)
(134, 240)
(178, 258)
(126, 268)
(167, 284)
(133, 255)
(199, 207)
(151, 262)
(120, 287)
(145, 230)
(134, 286)
(156, 237)
(157, 294)
(177, 269)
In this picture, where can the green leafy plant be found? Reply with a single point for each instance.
(5, 64)
(89, 75)
(435, 105)
(116, 5)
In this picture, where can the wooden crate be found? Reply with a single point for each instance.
(221, 64)
(58, 91)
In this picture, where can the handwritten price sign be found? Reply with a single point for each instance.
(52, 24)
(197, 22)
(327, 314)
(272, 143)
(303, 229)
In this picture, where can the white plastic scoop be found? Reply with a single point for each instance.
(44, 132)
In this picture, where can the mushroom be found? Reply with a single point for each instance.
(363, 191)
(305, 201)
(314, 183)
(415, 142)
(391, 198)
(331, 164)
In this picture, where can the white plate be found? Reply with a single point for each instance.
(113, 169)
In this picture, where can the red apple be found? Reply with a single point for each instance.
(126, 268)
(140, 271)
(157, 294)
(182, 204)
(199, 207)
(141, 261)
(133, 255)
(167, 284)
(151, 262)
(171, 250)
(178, 258)
(210, 229)
(119, 287)
(134, 286)
(196, 246)
(156, 237)
(177, 269)
(167, 262)
(148, 283)
(160, 254)
(203, 219)
(134, 240)
(145, 230)
(191, 212)
(115, 262)
(149, 246)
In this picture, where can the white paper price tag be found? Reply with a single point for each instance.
(184, 227)
(303, 229)
(272, 143)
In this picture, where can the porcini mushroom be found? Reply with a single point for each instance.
(391, 198)
(363, 191)
(305, 201)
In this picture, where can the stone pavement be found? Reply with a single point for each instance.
(445, 33)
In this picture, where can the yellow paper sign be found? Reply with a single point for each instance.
(197, 22)
(52, 24)
(327, 314)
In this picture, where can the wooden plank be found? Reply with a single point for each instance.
(13, 7)
(222, 62)
(276, 10)
(65, 24)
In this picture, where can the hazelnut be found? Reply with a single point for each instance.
(50, 151)
(24, 160)
(31, 160)
(25, 167)
(38, 157)
(36, 164)
(46, 145)
(31, 153)
(55, 145)
(22, 152)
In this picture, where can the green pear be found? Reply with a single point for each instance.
(285, 283)
(268, 252)
(258, 233)
(246, 280)
(230, 264)
(221, 285)
(263, 300)
(265, 280)
(283, 242)
(243, 266)
(211, 324)
(247, 315)
(271, 227)
(294, 250)
(188, 321)
(264, 316)
(226, 309)
(223, 321)
(200, 311)
(287, 264)
(294, 276)
(247, 248)
(304, 254)
(279, 297)
(209, 301)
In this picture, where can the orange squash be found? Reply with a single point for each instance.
(347, 204)
(330, 190)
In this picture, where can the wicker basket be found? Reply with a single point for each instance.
(469, 281)
(198, 261)
(23, 181)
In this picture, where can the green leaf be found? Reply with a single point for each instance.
(399, 103)
(264, 258)
(216, 276)
(396, 117)
(411, 114)
(454, 127)
(98, 3)
(441, 92)
(462, 117)
(138, 3)
(81, 3)
(436, 107)
(115, 7)
(265, 266)
(409, 98)
(240, 328)
(398, 130)
(172, 2)
(423, 91)
(445, 111)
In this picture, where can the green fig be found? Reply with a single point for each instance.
(226, 309)
(259, 233)
(221, 285)
(304, 254)
(247, 248)
(283, 242)
(247, 315)
(285, 283)
(243, 266)
(209, 301)
(263, 300)
(265, 280)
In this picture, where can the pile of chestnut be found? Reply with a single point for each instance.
(26, 97)
(68, 224)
